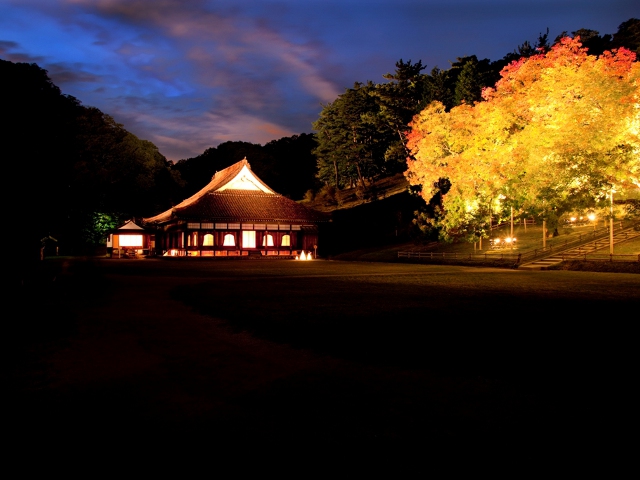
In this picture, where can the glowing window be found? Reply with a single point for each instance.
(208, 240)
(286, 241)
(130, 240)
(229, 240)
(267, 240)
(195, 239)
(248, 239)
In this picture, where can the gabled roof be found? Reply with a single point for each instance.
(236, 194)
(128, 228)
(130, 225)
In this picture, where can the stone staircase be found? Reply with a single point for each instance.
(580, 251)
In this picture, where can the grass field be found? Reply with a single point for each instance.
(206, 351)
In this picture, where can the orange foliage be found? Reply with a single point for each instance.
(555, 125)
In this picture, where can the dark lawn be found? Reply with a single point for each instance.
(321, 352)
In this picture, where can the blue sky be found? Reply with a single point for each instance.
(190, 74)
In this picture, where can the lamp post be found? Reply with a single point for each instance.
(511, 228)
(544, 227)
(611, 225)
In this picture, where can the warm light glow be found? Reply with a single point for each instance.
(592, 217)
(229, 240)
(286, 240)
(304, 256)
(130, 240)
(267, 240)
(248, 239)
(208, 240)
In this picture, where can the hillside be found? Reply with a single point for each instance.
(351, 197)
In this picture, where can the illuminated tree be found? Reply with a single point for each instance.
(558, 130)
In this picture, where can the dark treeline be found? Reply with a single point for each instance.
(287, 165)
(72, 170)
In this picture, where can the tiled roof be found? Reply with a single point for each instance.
(235, 205)
(248, 206)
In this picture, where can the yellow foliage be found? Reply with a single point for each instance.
(556, 128)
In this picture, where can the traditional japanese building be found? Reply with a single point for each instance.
(130, 240)
(236, 214)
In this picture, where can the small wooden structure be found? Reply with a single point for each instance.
(236, 214)
(129, 241)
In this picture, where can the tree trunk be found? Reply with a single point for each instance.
(360, 176)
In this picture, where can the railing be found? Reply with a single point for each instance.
(582, 238)
(515, 257)
(595, 257)
(523, 256)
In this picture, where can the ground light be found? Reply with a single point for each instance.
(500, 243)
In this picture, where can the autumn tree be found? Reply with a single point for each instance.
(559, 129)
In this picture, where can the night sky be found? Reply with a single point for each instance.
(190, 74)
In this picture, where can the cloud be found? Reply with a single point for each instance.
(212, 57)
(10, 51)
(65, 74)
(182, 137)
(188, 74)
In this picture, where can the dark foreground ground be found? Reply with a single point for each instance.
(178, 352)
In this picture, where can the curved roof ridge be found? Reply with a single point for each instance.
(219, 180)
(239, 191)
